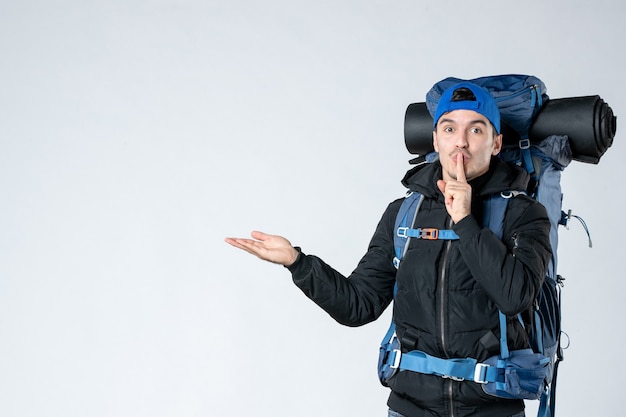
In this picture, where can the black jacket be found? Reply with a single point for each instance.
(449, 292)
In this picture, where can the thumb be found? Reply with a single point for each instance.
(441, 184)
(259, 235)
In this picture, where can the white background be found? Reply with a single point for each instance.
(135, 135)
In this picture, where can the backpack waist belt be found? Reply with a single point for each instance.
(457, 369)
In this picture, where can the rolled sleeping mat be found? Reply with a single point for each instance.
(418, 129)
(588, 122)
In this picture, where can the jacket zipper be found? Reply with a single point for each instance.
(442, 297)
(536, 101)
(442, 315)
(451, 407)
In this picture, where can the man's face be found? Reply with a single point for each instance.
(468, 135)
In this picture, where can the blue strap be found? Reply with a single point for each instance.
(404, 219)
(538, 331)
(544, 408)
(494, 211)
(536, 100)
(404, 231)
(429, 233)
(458, 369)
(526, 157)
(495, 207)
(504, 346)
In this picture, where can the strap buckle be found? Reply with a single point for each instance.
(396, 359)
(429, 233)
(524, 144)
(480, 373)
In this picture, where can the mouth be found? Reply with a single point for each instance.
(461, 155)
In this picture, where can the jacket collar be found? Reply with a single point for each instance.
(500, 177)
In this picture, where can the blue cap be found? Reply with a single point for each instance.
(484, 104)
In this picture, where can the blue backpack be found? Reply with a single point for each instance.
(528, 373)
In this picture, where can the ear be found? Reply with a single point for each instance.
(497, 144)
(435, 146)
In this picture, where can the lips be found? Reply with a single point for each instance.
(460, 155)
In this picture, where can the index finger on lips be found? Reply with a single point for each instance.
(460, 168)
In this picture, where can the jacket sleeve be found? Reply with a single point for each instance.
(510, 270)
(361, 297)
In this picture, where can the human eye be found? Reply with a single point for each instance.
(476, 130)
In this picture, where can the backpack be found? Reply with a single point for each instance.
(522, 374)
(530, 373)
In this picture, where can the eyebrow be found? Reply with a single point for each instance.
(477, 121)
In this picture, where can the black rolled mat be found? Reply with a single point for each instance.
(588, 122)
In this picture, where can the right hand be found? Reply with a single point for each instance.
(271, 248)
(457, 192)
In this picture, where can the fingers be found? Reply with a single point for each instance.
(267, 247)
(448, 196)
(247, 245)
(242, 243)
(457, 193)
(460, 167)
(441, 184)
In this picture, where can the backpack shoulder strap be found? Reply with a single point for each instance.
(495, 209)
(404, 220)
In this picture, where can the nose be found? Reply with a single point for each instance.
(460, 139)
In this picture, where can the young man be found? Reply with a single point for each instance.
(448, 291)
